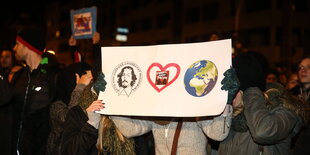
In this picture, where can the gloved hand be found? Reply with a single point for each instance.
(100, 83)
(230, 83)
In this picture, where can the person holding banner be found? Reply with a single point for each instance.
(264, 122)
(191, 131)
(76, 54)
(174, 135)
(81, 134)
(89, 133)
(70, 83)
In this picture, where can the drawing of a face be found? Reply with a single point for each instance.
(126, 77)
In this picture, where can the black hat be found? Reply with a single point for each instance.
(250, 71)
(66, 80)
(33, 39)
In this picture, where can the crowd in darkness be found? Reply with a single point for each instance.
(49, 108)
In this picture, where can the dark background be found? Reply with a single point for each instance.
(280, 29)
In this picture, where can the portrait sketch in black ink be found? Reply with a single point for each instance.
(126, 80)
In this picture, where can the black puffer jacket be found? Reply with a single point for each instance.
(33, 92)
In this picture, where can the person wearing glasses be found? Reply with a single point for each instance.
(302, 90)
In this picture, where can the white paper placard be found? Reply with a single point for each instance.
(179, 80)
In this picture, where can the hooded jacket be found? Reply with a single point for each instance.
(268, 131)
(33, 92)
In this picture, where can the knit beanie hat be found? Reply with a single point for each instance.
(33, 39)
(249, 70)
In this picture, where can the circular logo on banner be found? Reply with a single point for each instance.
(200, 78)
(126, 78)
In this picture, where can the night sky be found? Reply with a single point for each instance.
(16, 10)
(19, 12)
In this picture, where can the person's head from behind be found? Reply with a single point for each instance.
(249, 71)
(214, 36)
(304, 71)
(29, 42)
(66, 80)
(127, 77)
(7, 59)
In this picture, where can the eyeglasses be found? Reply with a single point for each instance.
(303, 68)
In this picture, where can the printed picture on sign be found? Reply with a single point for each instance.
(83, 22)
(158, 76)
(126, 78)
(162, 77)
(200, 78)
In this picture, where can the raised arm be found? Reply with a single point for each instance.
(79, 137)
(217, 128)
(266, 126)
(131, 127)
(81, 83)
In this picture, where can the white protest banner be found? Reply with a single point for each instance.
(180, 80)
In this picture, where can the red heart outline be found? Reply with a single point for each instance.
(162, 69)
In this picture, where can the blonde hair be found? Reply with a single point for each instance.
(295, 104)
(239, 108)
(111, 139)
(288, 101)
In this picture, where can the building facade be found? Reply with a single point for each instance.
(279, 29)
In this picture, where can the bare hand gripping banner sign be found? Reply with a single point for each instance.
(180, 80)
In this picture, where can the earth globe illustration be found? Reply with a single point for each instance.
(200, 78)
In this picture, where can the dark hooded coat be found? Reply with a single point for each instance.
(269, 131)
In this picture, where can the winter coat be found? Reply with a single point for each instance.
(33, 92)
(266, 131)
(192, 139)
(79, 137)
(5, 91)
(5, 117)
(301, 92)
(58, 113)
(302, 140)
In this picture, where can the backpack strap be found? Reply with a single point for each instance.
(176, 137)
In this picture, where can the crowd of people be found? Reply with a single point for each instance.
(49, 108)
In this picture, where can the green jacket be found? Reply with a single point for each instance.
(269, 130)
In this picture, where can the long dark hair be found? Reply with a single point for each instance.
(66, 80)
